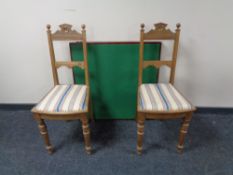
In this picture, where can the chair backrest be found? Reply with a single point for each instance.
(67, 34)
(160, 32)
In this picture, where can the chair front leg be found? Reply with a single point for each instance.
(183, 131)
(44, 132)
(140, 132)
(86, 134)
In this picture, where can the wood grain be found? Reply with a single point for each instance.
(65, 33)
(160, 32)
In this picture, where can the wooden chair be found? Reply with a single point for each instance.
(63, 101)
(161, 100)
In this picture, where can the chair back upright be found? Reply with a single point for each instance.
(160, 32)
(67, 34)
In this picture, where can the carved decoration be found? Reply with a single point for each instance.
(161, 28)
(66, 28)
(66, 32)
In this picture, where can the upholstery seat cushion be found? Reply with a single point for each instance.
(161, 97)
(64, 98)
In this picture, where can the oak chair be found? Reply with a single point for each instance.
(161, 100)
(64, 101)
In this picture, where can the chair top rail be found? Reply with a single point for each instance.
(160, 32)
(66, 33)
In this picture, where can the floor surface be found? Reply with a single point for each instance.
(208, 147)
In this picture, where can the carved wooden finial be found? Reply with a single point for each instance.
(83, 26)
(178, 25)
(142, 26)
(48, 26)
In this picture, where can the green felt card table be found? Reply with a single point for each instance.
(113, 71)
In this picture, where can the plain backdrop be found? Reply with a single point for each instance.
(205, 60)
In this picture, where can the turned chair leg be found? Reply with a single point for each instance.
(183, 131)
(43, 131)
(140, 133)
(86, 134)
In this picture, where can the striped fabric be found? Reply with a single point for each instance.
(64, 98)
(161, 97)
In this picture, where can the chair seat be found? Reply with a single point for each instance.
(161, 97)
(64, 98)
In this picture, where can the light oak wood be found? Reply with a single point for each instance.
(66, 33)
(69, 64)
(52, 56)
(85, 55)
(86, 134)
(157, 64)
(183, 131)
(160, 32)
(44, 133)
(140, 132)
(141, 55)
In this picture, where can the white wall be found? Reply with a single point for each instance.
(204, 70)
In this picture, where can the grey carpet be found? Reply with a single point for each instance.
(208, 147)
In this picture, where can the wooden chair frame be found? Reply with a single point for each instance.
(66, 34)
(160, 33)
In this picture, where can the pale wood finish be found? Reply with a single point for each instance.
(70, 64)
(52, 56)
(184, 130)
(65, 34)
(157, 64)
(86, 134)
(140, 132)
(160, 32)
(44, 133)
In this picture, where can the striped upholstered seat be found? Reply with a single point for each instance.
(64, 98)
(161, 97)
